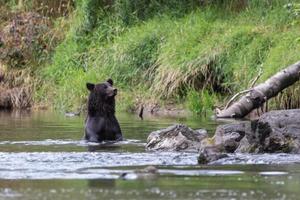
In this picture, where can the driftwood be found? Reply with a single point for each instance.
(262, 92)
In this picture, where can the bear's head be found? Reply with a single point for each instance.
(102, 98)
(104, 90)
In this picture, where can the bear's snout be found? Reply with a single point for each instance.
(111, 92)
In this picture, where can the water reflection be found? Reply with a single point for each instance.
(100, 183)
(103, 147)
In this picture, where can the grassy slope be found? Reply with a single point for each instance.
(176, 54)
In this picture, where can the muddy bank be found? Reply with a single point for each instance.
(23, 44)
(15, 89)
(5, 99)
(18, 97)
(24, 40)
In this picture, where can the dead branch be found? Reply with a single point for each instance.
(262, 92)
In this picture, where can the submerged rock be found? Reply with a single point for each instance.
(176, 138)
(273, 132)
(149, 172)
(210, 154)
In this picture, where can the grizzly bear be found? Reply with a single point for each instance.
(101, 123)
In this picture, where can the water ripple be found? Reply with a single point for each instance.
(70, 165)
(280, 158)
(49, 142)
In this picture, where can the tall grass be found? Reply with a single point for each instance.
(170, 50)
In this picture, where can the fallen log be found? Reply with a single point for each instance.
(262, 92)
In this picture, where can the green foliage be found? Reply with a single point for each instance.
(131, 12)
(200, 102)
(165, 48)
(283, 52)
(193, 101)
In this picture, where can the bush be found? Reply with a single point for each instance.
(24, 40)
(200, 102)
(165, 48)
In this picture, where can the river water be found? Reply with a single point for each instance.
(42, 157)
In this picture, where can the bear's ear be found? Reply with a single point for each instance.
(90, 86)
(110, 81)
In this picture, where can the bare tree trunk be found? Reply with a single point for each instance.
(262, 92)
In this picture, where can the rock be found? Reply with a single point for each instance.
(210, 154)
(274, 132)
(279, 131)
(227, 139)
(150, 169)
(229, 135)
(149, 172)
(176, 138)
(244, 146)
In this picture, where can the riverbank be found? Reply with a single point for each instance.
(189, 55)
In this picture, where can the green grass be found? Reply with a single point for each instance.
(200, 102)
(169, 53)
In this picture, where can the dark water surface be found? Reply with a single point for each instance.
(42, 157)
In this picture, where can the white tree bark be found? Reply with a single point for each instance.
(262, 92)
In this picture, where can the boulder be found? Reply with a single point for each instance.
(278, 131)
(229, 135)
(176, 138)
(274, 132)
(244, 146)
(210, 154)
